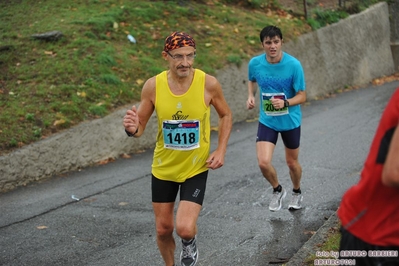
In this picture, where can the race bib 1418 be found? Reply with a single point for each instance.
(181, 134)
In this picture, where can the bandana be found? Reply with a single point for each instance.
(178, 40)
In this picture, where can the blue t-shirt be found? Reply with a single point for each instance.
(282, 80)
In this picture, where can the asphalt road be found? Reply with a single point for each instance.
(102, 215)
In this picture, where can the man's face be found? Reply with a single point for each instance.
(180, 60)
(272, 46)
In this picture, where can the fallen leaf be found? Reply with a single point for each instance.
(41, 227)
(90, 200)
(106, 161)
(81, 94)
(59, 122)
(155, 36)
(310, 232)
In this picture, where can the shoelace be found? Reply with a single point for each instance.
(188, 251)
(276, 197)
(295, 199)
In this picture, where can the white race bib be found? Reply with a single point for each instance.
(268, 107)
(181, 134)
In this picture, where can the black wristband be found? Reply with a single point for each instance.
(130, 134)
(286, 103)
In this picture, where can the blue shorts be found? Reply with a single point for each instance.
(193, 189)
(291, 138)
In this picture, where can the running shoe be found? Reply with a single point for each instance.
(295, 203)
(189, 254)
(277, 200)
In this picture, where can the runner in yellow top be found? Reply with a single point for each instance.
(181, 98)
(183, 125)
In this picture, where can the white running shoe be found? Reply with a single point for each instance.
(277, 200)
(295, 203)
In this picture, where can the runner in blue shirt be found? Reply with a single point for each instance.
(281, 83)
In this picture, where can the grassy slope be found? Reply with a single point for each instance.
(93, 69)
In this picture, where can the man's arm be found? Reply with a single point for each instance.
(390, 172)
(135, 121)
(299, 98)
(252, 88)
(214, 95)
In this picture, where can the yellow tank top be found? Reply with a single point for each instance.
(183, 139)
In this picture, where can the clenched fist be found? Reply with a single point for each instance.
(131, 121)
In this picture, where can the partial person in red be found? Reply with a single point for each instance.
(369, 211)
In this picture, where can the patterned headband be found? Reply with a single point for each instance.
(178, 40)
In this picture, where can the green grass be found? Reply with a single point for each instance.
(93, 68)
(330, 244)
(47, 86)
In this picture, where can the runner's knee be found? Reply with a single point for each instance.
(164, 230)
(185, 232)
(264, 163)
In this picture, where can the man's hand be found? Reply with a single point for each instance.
(215, 160)
(251, 102)
(131, 120)
(277, 103)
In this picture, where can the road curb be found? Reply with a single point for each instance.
(313, 244)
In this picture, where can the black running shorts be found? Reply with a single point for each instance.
(364, 254)
(193, 189)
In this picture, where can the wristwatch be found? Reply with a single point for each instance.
(286, 103)
(130, 134)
